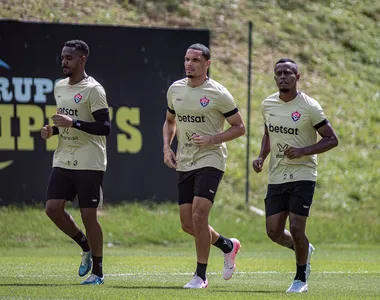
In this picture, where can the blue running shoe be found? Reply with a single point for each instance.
(86, 264)
(93, 279)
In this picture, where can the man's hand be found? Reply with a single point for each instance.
(201, 141)
(293, 153)
(46, 132)
(169, 158)
(61, 120)
(257, 164)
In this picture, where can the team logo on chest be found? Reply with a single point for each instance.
(296, 116)
(78, 98)
(204, 101)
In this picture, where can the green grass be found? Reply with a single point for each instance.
(264, 272)
(149, 223)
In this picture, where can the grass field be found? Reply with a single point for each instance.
(264, 272)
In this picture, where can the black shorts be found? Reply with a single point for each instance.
(295, 197)
(86, 184)
(201, 182)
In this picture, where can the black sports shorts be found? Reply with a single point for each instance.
(86, 184)
(295, 197)
(201, 182)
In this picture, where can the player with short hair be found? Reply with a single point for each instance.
(197, 109)
(292, 120)
(82, 123)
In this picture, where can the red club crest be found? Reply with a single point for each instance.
(296, 116)
(77, 98)
(204, 101)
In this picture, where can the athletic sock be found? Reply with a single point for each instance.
(224, 244)
(201, 270)
(82, 241)
(97, 267)
(301, 273)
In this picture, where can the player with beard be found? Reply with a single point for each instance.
(197, 109)
(82, 123)
(292, 120)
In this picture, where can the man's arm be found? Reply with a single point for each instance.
(329, 140)
(258, 163)
(101, 126)
(237, 129)
(168, 133)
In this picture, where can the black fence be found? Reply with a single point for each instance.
(135, 66)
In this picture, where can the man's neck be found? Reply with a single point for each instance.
(288, 96)
(77, 78)
(195, 82)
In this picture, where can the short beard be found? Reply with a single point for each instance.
(68, 74)
(284, 90)
(190, 76)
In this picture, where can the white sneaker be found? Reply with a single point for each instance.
(297, 286)
(229, 260)
(196, 283)
(308, 266)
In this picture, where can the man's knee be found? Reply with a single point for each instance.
(200, 220)
(52, 210)
(274, 234)
(188, 228)
(298, 232)
(88, 216)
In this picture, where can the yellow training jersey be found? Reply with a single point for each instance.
(292, 124)
(79, 150)
(201, 110)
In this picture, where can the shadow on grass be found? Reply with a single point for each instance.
(37, 284)
(146, 287)
(181, 288)
(247, 291)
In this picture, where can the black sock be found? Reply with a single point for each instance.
(291, 247)
(82, 241)
(201, 270)
(97, 267)
(224, 244)
(301, 273)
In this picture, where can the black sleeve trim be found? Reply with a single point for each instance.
(55, 130)
(172, 111)
(231, 113)
(101, 126)
(320, 124)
